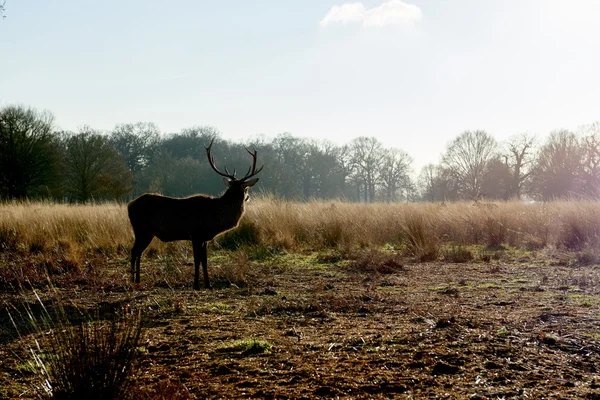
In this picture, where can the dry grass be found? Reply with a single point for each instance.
(73, 232)
(351, 291)
(75, 355)
(422, 228)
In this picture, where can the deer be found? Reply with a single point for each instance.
(199, 218)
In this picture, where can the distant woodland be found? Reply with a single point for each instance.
(38, 161)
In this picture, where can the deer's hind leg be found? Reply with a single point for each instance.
(141, 242)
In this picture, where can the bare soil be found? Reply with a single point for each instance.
(517, 327)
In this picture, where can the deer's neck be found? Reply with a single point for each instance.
(232, 209)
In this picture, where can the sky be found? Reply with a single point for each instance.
(415, 73)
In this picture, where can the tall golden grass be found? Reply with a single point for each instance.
(418, 228)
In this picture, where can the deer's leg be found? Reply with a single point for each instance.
(200, 257)
(140, 244)
(134, 258)
(204, 259)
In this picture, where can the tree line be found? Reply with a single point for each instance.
(39, 161)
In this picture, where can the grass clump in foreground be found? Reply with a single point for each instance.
(90, 359)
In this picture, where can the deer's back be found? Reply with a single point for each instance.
(169, 218)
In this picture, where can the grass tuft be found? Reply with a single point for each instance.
(457, 254)
(384, 262)
(247, 347)
(246, 234)
(78, 357)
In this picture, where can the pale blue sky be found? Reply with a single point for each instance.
(415, 74)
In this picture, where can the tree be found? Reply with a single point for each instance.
(590, 168)
(427, 183)
(558, 167)
(519, 158)
(326, 160)
(190, 142)
(94, 168)
(137, 143)
(395, 173)
(437, 184)
(367, 153)
(496, 180)
(181, 177)
(294, 176)
(466, 159)
(28, 153)
(178, 166)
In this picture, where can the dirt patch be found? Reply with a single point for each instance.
(303, 329)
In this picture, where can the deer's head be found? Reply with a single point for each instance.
(237, 186)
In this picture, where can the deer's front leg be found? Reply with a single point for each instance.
(200, 256)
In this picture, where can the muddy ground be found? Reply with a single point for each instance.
(318, 326)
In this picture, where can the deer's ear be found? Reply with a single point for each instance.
(250, 183)
(226, 182)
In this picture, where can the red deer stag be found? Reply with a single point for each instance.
(197, 218)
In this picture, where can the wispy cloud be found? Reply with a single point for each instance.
(390, 12)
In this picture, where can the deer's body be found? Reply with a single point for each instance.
(170, 218)
(198, 218)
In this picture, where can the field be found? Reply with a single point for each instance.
(322, 299)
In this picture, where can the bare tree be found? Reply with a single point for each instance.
(590, 168)
(437, 184)
(367, 153)
(466, 159)
(197, 218)
(394, 173)
(427, 182)
(519, 158)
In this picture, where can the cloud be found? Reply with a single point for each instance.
(390, 12)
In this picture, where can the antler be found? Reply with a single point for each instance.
(211, 160)
(251, 171)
